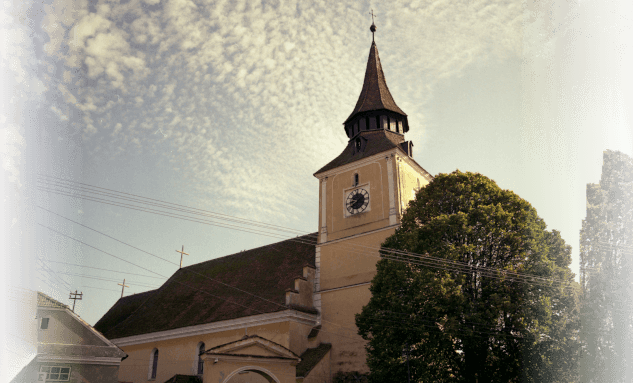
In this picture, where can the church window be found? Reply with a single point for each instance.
(200, 361)
(400, 128)
(153, 364)
(363, 124)
(392, 125)
(355, 179)
(384, 122)
(372, 123)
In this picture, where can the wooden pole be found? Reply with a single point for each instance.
(74, 298)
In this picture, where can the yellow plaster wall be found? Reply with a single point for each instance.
(219, 372)
(179, 356)
(339, 327)
(373, 178)
(351, 261)
(408, 182)
(299, 341)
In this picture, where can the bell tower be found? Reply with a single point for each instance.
(362, 194)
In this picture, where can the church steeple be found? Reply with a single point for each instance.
(375, 108)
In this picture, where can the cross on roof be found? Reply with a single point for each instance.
(182, 252)
(373, 26)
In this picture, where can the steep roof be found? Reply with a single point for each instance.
(311, 357)
(377, 141)
(44, 300)
(122, 309)
(375, 94)
(192, 296)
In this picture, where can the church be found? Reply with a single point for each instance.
(284, 312)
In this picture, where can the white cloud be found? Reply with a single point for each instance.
(11, 145)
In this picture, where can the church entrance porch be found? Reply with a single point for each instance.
(250, 359)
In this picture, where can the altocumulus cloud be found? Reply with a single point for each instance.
(210, 78)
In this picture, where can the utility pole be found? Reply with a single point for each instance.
(74, 298)
(123, 286)
(182, 252)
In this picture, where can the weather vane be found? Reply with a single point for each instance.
(373, 26)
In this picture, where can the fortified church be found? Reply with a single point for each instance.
(283, 312)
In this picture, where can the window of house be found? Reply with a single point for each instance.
(200, 361)
(153, 364)
(44, 324)
(56, 373)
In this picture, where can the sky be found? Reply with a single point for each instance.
(231, 106)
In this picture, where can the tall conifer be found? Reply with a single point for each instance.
(606, 270)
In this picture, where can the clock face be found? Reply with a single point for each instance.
(357, 201)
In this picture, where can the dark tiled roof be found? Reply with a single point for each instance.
(122, 309)
(375, 94)
(184, 379)
(190, 298)
(44, 300)
(377, 141)
(310, 358)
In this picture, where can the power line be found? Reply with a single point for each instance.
(98, 268)
(448, 264)
(200, 290)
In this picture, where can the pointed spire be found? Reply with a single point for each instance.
(375, 94)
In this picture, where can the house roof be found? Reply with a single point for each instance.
(377, 141)
(375, 94)
(44, 300)
(193, 296)
(310, 358)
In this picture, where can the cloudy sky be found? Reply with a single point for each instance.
(231, 106)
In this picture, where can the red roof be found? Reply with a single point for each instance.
(192, 296)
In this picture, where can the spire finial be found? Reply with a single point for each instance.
(373, 26)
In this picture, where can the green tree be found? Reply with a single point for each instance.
(463, 319)
(606, 261)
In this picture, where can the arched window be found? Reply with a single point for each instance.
(200, 361)
(153, 364)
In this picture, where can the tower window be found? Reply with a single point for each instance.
(384, 122)
(363, 124)
(355, 179)
(392, 125)
(358, 144)
(356, 129)
(400, 128)
(372, 123)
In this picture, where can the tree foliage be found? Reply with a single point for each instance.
(468, 326)
(606, 260)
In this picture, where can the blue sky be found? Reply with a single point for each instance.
(231, 106)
